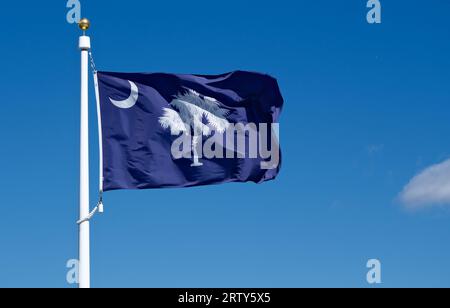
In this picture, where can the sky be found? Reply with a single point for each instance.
(363, 133)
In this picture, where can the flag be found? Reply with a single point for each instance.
(166, 130)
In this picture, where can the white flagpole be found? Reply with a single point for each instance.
(84, 244)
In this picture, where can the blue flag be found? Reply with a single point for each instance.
(165, 130)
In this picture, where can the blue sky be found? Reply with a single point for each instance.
(366, 110)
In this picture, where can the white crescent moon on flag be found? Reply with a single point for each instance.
(130, 101)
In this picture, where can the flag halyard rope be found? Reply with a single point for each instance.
(99, 207)
(88, 217)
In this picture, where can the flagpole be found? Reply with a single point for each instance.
(84, 237)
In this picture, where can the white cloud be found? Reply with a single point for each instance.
(429, 187)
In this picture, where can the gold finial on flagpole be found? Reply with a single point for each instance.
(84, 24)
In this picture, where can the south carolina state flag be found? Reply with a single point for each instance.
(166, 130)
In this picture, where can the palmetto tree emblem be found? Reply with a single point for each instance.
(189, 114)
